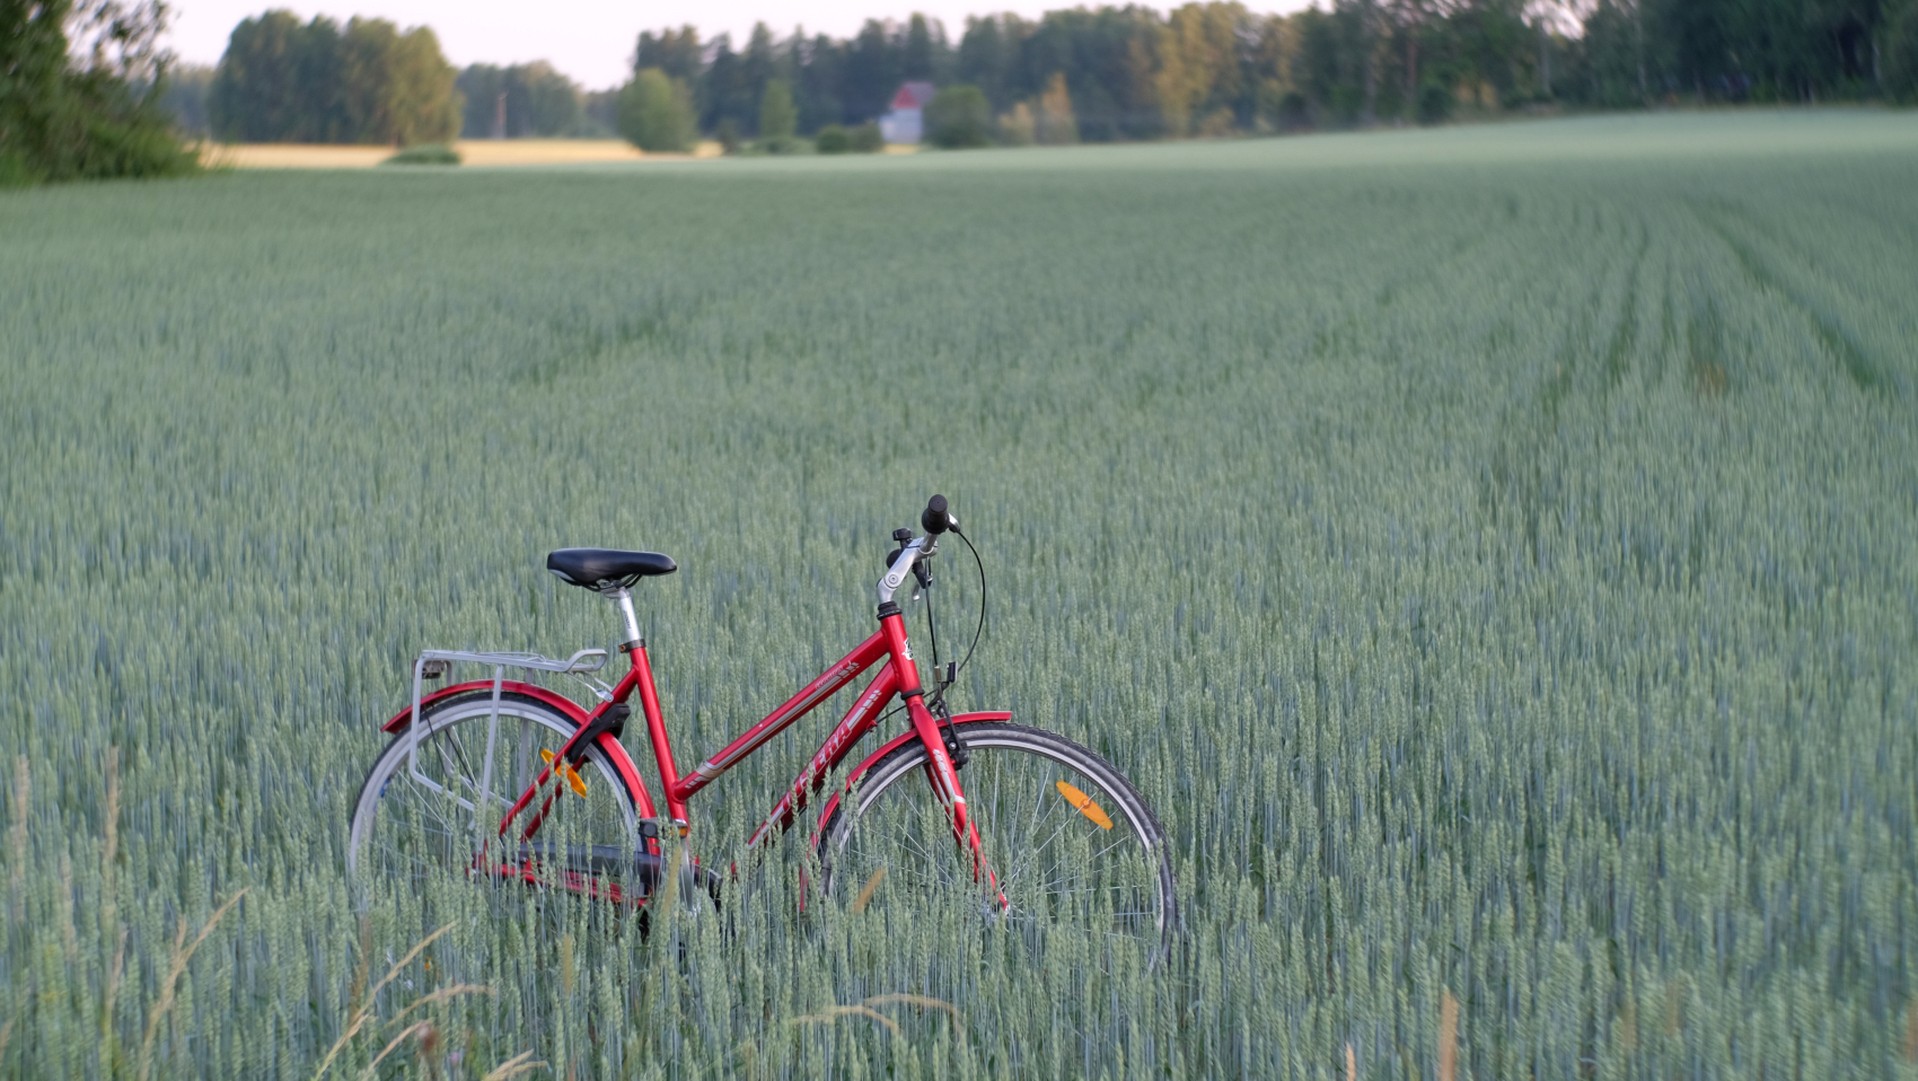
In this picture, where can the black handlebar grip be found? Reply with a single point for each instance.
(935, 520)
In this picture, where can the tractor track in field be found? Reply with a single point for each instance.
(1718, 217)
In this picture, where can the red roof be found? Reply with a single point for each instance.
(912, 96)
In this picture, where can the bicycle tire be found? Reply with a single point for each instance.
(1018, 779)
(391, 835)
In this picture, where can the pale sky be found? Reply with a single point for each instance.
(590, 40)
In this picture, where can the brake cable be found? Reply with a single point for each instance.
(938, 698)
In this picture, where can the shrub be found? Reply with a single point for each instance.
(833, 139)
(1055, 123)
(1435, 104)
(425, 154)
(1018, 128)
(959, 118)
(866, 139)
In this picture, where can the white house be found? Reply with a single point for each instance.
(906, 123)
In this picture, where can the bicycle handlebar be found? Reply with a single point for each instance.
(936, 519)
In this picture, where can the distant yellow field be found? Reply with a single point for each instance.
(472, 152)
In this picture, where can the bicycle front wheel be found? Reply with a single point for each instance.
(431, 806)
(1068, 841)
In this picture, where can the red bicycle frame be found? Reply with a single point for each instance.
(898, 676)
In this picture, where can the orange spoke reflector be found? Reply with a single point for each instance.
(1083, 804)
(565, 770)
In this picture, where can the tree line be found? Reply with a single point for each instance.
(1091, 74)
(1216, 68)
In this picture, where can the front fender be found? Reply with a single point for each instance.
(608, 743)
(858, 773)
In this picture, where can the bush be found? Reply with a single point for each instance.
(425, 154)
(867, 139)
(1054, 122)
(1435, 104)
(1018, 127)
(833, 139)
(959, 118)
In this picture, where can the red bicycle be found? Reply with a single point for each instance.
(507, 781)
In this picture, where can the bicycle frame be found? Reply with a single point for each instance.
(897, 676)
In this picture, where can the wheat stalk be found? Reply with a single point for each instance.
(513, 1067)
(441, 995)
(860, 902)
(392, 1045)
(924, 1002)
(362, 969)
(17, 837)
(182, 953)
(834, 1013)
(1448, 1036)
(109, 909)
(365, 1011)
(1911, 1033)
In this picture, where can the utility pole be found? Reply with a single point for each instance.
(499, 116)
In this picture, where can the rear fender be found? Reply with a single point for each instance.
(608, 743)
(858, 773)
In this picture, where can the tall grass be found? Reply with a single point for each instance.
(1491, 552)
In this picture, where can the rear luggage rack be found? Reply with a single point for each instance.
(434, 663)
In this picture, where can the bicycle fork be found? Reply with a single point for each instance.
(944, 777)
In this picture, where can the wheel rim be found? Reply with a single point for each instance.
(1043, 819)
(431, 817)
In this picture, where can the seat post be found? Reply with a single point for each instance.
(622, 599)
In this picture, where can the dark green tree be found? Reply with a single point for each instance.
(984, 60)
(678, 53)
(778, 118)
(396, 88)
(873, 72)
(260, 92)
(917, 54)
(818, 70)
(1900, 54)
(525, 100)
(281, 81)
(728, 94)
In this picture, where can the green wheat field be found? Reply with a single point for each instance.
(1493, 552)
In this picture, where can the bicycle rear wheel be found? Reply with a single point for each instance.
(430, 808)
(1072, 844)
